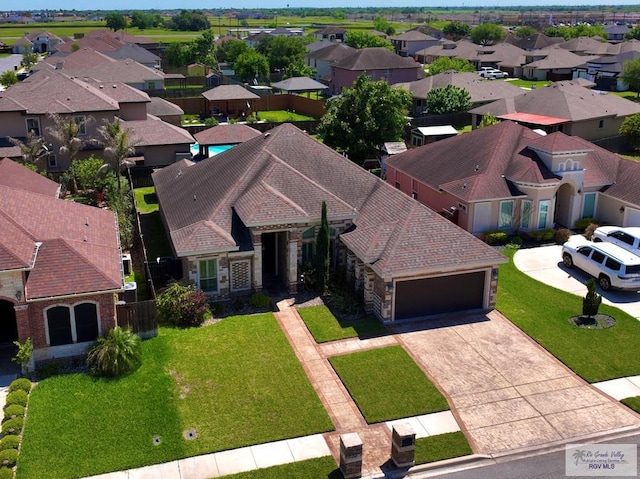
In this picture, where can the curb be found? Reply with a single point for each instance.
(441, 467)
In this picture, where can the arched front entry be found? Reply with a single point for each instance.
(8, 334)
(564, 205)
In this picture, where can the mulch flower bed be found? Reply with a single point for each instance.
(599, 321)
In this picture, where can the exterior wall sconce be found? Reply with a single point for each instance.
(19, 295)
(622, 209)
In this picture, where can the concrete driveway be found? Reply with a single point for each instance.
(10, 62)
(545, 265)
(506, 391)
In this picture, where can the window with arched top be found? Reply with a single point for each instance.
(59, 325)
(86, 317)
(66, 324)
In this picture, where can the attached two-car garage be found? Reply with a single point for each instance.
(439, 295)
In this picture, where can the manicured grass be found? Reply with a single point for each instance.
(543, 312)
(441, 447)
(236, 383)
(155, 238)
(322, 467)
(635, 156)
(386, 384)
(280, 116)
(325, 327)
(633, 403)
(629, 95)
(528, 83)
(146, 199)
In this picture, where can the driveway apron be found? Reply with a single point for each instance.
(507, 391)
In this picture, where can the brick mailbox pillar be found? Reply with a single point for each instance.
(351, 455)
(403, 445)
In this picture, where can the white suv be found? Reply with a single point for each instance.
(613, 266)
(491, 73)
(627, 238)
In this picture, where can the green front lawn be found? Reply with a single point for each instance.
(542, 312)
(322, 467)
(146, 199)
(235, 383)
(325, 327)
(386, 384)
(281, 116)
(441, 447)
(528, 83)
(633, 403)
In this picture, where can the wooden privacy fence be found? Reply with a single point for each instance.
(140, 317)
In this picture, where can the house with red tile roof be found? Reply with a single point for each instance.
(60, 266)
(509, 177)
(247, 219)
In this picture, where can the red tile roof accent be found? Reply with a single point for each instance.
(14, 175)
(534, 119)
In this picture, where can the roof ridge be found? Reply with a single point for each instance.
(70, 244)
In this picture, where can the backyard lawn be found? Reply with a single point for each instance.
(386, 384)
(530, 84)
(280, 116)
(543, 312)
(146, 199)
(155, 238)
(234, 383)
(325, 327)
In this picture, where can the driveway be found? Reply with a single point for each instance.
(545, 265)
(506, 391)
(10, 62)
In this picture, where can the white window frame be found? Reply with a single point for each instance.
(525, 219)
(502, 224)
(200, 278)
(72, 320)
(52, 161)
(37, 131)
(547, 204)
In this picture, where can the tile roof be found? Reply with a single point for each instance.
(14, 175)
(332, 52)
(229, 92)
(481, 90)
(47, 92)
(229, 134)
(480, 165)
(375, 59)
(75, 246)
(563, 100)
(282, 178)
(153, 131)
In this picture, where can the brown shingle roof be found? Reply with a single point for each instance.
(153, 131)
(230, 134)
(229, 92)
(375, 59)
(333, 52)
(282, 178)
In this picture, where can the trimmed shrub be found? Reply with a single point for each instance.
(20, 384)
(17, 397)
(10, 441)
(582, 224)
(12, 426)
(116, 354)
(260, 300)
(15, 410)
(9, 457)
(495, 237)
(543, 235)
(562, 235)
(182, 305)
(6, 473)
(238, 304)
(588, 231)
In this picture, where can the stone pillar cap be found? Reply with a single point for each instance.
(351, 439)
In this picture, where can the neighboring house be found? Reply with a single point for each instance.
(21, 46)
(38, 42)
(133, 51)
(230, 100)
(509, 177)
(254, 39)
(378, 64)
(553, 64)
(481, 91)
(322, 59)
(227, 134)
(534, 42)
(605, 71)
(333, 34)
(615, 32)
(407, 44)
(423, 135)
(60, 266)
(165, 110)
(246, 219)
(588, 46)
(312, 47)
(564, 106)
(158, 142)
(447, 48)
(506, 57)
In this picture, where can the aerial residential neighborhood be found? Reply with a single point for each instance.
(359, 244)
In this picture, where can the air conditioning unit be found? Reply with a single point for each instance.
(126, 264)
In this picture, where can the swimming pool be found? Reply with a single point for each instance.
(213, 150)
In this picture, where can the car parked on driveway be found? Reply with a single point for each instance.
(491, 73)
(611, 265)
(627, 238)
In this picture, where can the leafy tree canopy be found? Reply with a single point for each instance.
(575, 31)
(487, 34)
(298, 69)
(456, 30)
(364, 117)
(448, 99)
(631, 74)
(382, 25)
(359, 39)
(202, 46)
(144, 20)
(229, 50)
(115, 21)
(443, 64)
(524, 31)
(8, 78)
(284, 51)
(633, 34)
(188, 21)
(250, 65)
(630, 129)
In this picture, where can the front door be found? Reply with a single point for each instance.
(564, 206)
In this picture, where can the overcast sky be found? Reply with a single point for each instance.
(240, 4)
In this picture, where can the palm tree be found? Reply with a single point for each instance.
(579, 455)
(33, 148)
(66, 132)
(119, 146)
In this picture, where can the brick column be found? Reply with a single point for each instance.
(22, 320)
(351, 455)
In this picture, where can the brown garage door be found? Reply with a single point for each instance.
(446, 294)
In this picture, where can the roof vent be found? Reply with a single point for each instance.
(194, 197)
(86, 221)
(84, 239)
(102, 87)
(267, 134)
(113, 86)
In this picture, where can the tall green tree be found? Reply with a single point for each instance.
(203, 46)
(448, 99)
(359, 39)
(286, 50)
(229, 50)
(322, 258)
(298, 69)
(32, 149)
(524, 31)
(177, 54)
(8, 78)
(456, 30)
(115, 21)
(118, 147)
(630, 129)
(487, 34)
(67, 133)
(364, 117)
(250, 65)
(633, 34)
(382, 25)
(631, 75)
(443, 64)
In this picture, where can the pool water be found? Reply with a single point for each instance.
(213, 150)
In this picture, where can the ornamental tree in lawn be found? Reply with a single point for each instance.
(364, 117)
